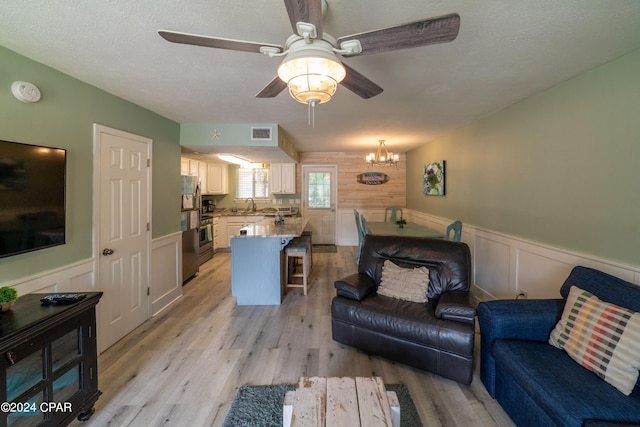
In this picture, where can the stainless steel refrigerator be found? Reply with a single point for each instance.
(190, 223)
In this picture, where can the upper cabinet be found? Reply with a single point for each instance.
(217, 179)
(202, 176)
(189, 167)
(283, 178)
(184, 166)
(213, 177)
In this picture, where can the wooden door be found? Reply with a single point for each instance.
(319, 192)
(123, 232)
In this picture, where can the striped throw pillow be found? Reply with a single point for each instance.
(602, 337)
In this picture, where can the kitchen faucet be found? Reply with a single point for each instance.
(253, 203)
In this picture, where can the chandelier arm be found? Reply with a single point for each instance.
(389, 158)
(379, 152)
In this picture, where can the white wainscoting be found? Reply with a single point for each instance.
(76, 277)
(502, 265)
(166, 271)
(346, 234)
(165, 282)
(505, 265)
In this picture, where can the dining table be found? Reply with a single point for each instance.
(409, 229)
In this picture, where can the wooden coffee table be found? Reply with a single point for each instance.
(341, 401)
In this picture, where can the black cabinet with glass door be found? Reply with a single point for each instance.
(48, 362)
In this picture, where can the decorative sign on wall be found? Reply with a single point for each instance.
(372, 178)
(433, 176)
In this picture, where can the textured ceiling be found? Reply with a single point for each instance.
(506, 50)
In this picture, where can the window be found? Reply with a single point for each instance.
(319, 190)
(252, 183)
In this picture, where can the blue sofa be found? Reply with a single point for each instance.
(538, 384)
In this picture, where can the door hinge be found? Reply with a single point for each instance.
(148, 291)
(148, 163)
(148, 226)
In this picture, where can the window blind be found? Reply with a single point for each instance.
(252, 183)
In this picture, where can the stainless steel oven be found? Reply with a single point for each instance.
(206, 238)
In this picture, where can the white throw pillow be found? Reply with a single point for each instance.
(409, 284)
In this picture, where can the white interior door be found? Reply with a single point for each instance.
(122, 238)
(319, 202)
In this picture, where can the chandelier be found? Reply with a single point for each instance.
(382, 157)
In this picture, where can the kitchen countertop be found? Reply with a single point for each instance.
(292, 227)
(242, 212)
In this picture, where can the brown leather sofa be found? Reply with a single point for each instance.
(437, 336)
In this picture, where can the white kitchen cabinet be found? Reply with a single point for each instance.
(217, 181)
(283, 178)
(216, 233)
(235, 223)
(184, 166)
(222, 228)
(194, 167)
(202, 176)
(189, 166)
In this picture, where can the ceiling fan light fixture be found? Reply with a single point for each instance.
(311, 71)
(306, 88)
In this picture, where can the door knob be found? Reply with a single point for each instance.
(107, 251)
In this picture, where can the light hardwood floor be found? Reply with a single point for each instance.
(183, 367)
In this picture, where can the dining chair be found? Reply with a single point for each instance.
(393, 213)
(360, 233)
(363, 224)
(456, 228)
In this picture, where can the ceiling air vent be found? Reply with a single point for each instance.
(260, 134)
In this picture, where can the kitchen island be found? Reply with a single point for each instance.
(257, 260)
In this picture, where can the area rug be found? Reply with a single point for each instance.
(261, 406)
(326, 249)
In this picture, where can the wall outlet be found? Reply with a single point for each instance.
(522, 294)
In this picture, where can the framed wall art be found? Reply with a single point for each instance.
(433, 178)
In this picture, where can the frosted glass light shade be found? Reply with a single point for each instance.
(312, 78)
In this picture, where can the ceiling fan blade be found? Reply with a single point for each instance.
(273, 89)
(305, 11)
(359, 84)
(215, 42)
(442, 29)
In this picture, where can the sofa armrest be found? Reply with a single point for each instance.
(519, 319)
(455, 305)
(356, 286)
(513, 319)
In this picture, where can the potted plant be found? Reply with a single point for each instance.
(8, 296)
(401, 222)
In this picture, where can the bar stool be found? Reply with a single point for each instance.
(308, 234)
(298, 249)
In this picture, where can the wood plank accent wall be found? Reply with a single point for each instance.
(352, 194)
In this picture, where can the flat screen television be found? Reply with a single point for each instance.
(32, 197)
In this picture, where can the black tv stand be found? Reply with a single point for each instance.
(48, 362)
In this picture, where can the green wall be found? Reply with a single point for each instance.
(64, 118)
(560, 167)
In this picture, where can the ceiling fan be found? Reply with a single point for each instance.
(311, 68)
